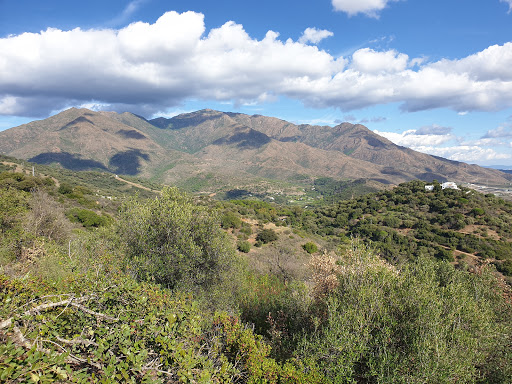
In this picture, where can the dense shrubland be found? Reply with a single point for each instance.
(406, 222)
(156, 292)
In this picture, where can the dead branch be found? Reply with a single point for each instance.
(74, 302)
(76, 341)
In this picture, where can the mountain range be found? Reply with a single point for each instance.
(223, 146)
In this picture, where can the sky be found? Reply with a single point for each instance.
(432, 75)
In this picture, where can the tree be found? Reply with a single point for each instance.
(173, 241)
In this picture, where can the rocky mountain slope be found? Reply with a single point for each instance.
(231, 146)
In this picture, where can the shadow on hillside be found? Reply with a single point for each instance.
(128, 162)
(131, 134)
(179, 122)
(67, 160)
(78, 120)
(251, 139)
(430, 176)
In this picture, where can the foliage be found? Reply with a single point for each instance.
(174, 242)
(278, 310)
(65, 189)
(266, 236)
(505, 267)
(87, 217)
(230, 220)
(244, 246)
(97, 308)
(46, 218)
(424, 323)
(13, 205)
(310, 247)
(409, 222)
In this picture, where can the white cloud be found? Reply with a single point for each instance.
(368, 61)
(501, 131)
(313, 35)
(370, 8)
(465, 153)
(145, 68)
(413, 139)
(439, 141)
(509, 2)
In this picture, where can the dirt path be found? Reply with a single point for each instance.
(18, 168)
(136, 185)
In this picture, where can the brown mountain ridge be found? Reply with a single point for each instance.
(230, 146)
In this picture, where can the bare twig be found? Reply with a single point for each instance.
(76, 341)
(72, 359)
(74, 302)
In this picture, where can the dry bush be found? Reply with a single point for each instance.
(46, 218)
(324, 273)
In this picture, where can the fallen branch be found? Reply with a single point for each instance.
(76, 341)
(73, 302)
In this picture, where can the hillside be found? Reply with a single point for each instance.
(130, 288)
(226, 151)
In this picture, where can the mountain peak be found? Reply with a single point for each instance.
(225, 143)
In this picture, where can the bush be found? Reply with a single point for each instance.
(46, 218)
(174, 241)
(310, 247)
(87, 218)
(266, 236)
(505, 267)
(65, 189)
(230, 220)
(427, 323)
(244, 246)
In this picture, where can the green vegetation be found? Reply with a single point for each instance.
(310, 247)
(266, 236)
(87, 218)
(244, 246)
(150, 289)
(174, 242)
(423, 323)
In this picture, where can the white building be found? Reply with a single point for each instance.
(449, 185)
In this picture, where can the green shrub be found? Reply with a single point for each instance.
(505, 267)
(310, 247)
(477, 211)
(230, 220)
(244, 246)
(65, 189)
(266, 236)
(173, 241)
(87, 218)
(426, 323)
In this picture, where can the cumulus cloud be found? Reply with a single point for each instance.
(440, 141)
(313, 35)
(412, 139)
(368, 61)
(465, 153)
(370, 8)
(500, 132)
(149, 67)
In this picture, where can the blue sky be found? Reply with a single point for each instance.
(432, 75)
